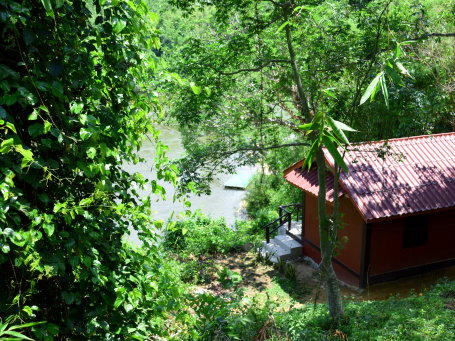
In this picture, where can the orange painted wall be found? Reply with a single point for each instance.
(310, 221)
(350, 253)
(387, 252)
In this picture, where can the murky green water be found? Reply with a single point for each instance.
(221, 203)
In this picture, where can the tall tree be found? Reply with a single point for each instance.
(266, 67)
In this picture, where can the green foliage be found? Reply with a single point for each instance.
(393, 70)
(229, 278)
(9, 333)
(340, 48)
(264, 194)
(328, 133)
(201, 235)
(418, 317)
(426, 316)
(197, 271)
(212, 316)
(74, 106)
(423, 104)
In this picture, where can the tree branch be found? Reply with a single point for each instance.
(252, 149)
(259, 68)
(428, 35)
(295, 70)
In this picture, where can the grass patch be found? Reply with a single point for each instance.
(417, 317)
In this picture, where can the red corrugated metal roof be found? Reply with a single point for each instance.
(307, 180)
(400, 176)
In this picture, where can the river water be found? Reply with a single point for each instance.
(221, 202)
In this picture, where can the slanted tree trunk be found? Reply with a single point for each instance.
(327, 228)
(327, 244)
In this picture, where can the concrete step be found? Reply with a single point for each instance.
(283, 247)
(296, 225)
(275, 253)
(296, 232)
(289, 244)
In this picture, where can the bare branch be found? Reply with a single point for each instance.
(428, 35)
(246, 149)
(306, 112)
(259, 68)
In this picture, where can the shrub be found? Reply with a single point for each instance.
(202, 235)
(266, 193)
(198, 271)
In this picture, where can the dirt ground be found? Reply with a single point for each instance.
(299, 284)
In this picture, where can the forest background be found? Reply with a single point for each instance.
(79, 80)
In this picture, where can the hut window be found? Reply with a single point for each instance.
(415, 231)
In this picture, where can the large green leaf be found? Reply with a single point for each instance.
(337, 130)
(311, 154)
(6, 145)
(372, 88)
(48, 7)
(394, 76)
(36, 129)
(333, 150)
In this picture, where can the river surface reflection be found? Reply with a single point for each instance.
(220, 203)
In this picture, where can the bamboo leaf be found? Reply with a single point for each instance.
(403, 69)
(343, 126)
(371, 90)
(337, 130)
(16, 334)
(307, 126)
(394, 76)
(47, 5)
(26, 325)
(3, 327)
(282, 26)
(333, 150)
(384, 90)
(310, 155)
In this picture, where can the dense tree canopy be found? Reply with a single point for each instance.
(238, 53)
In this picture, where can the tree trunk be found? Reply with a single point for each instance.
(305, 110)
(328, 274)
(327, 230)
